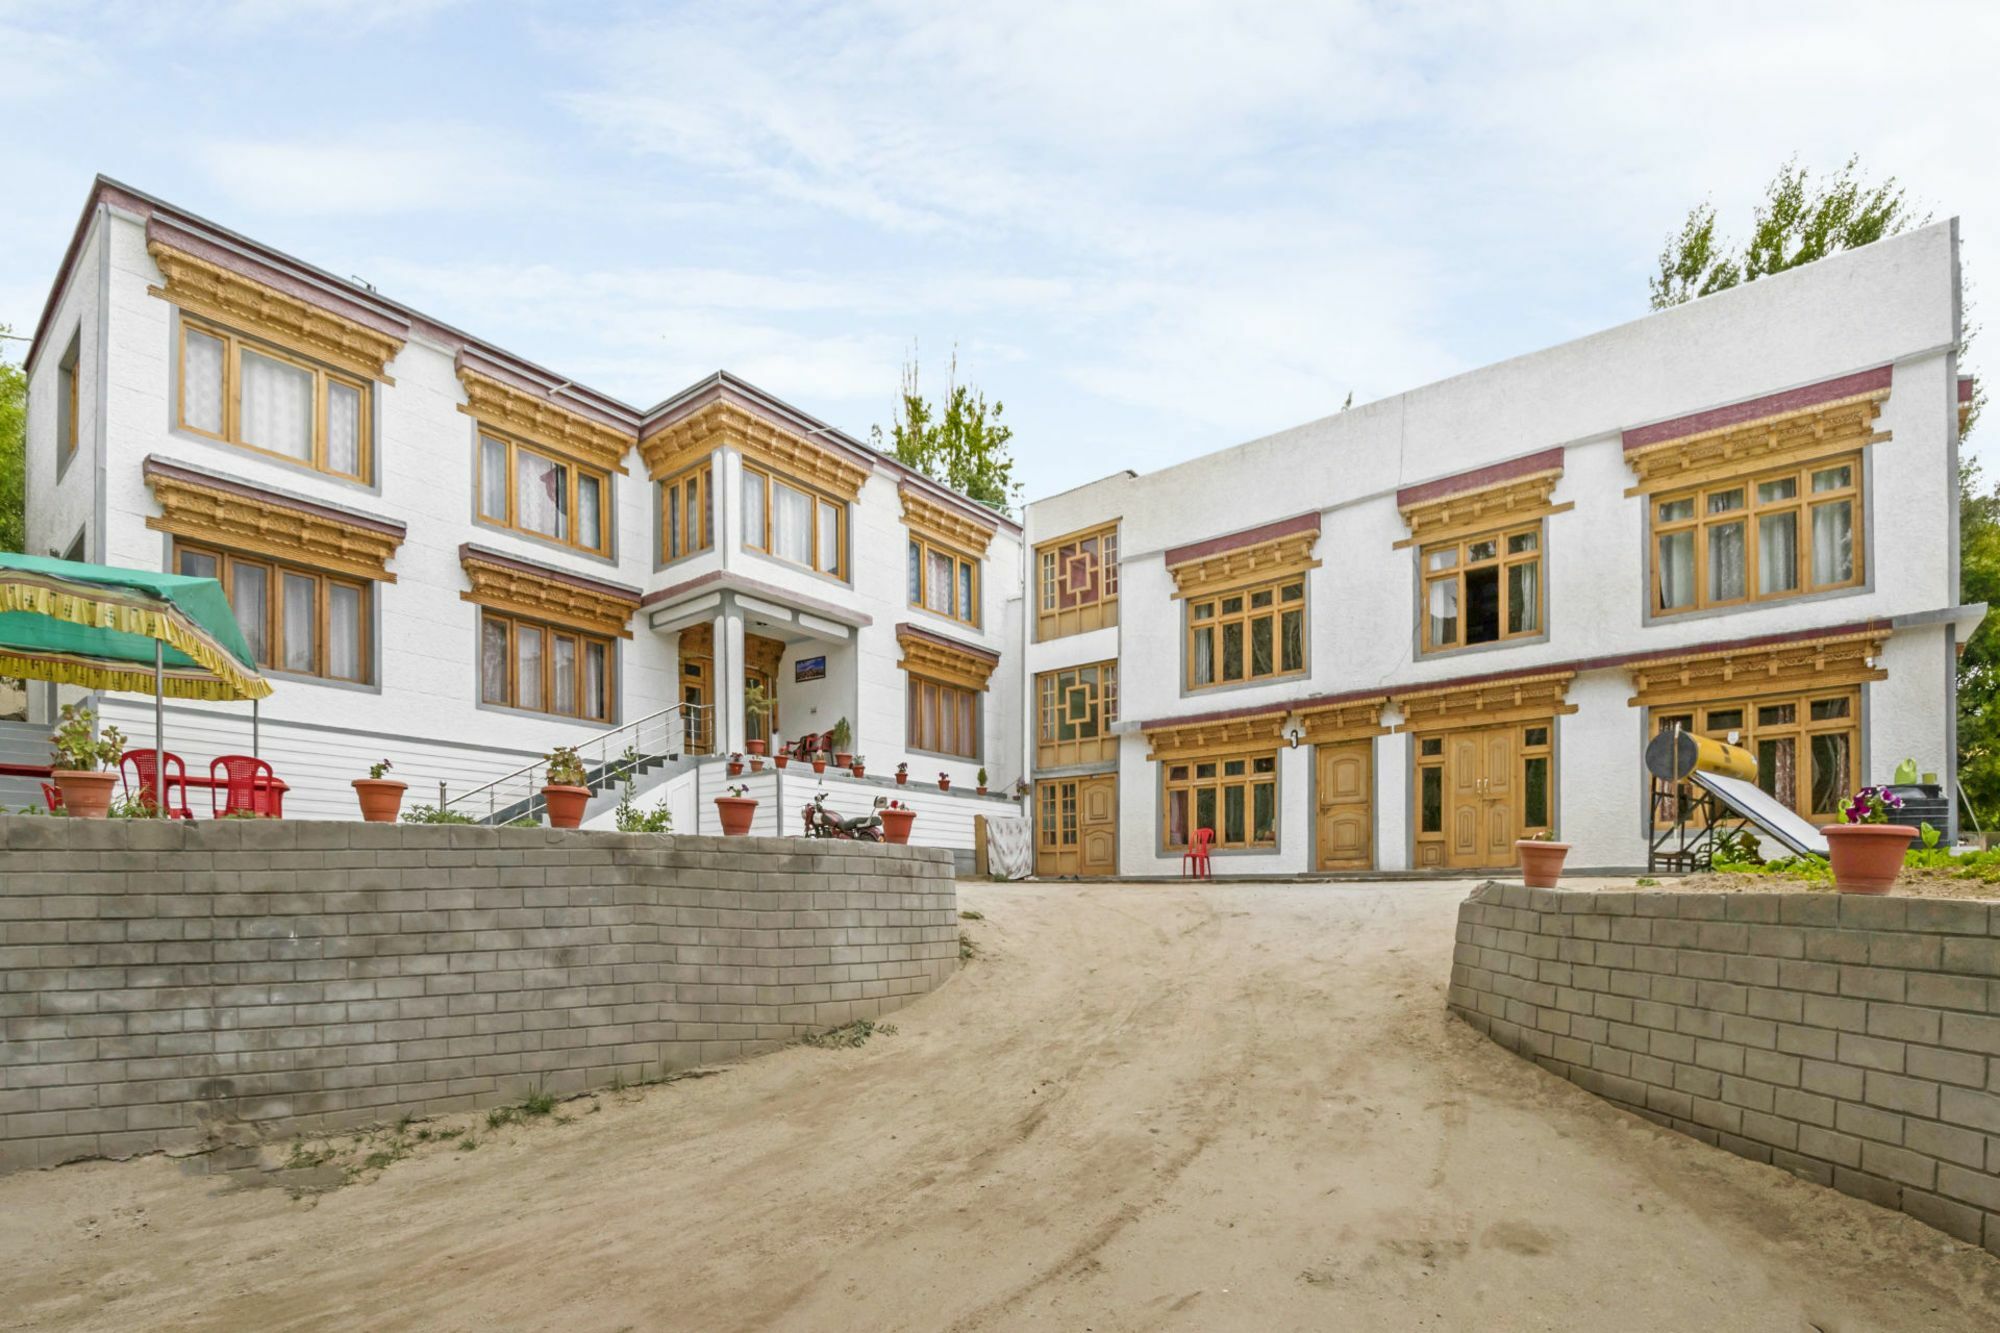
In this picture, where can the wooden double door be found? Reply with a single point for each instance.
(1076, 826)
(1344, 815)
(1480, 789)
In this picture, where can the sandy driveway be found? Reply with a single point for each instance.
(1241, 1108)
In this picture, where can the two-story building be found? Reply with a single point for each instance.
(448, 556)
(1404, 636)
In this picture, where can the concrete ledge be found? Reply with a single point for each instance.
(183, 986)
(1852, 1041)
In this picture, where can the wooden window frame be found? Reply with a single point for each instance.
(677, 500)
(275, 572)
(923, 718)
(923, 548)
(1195, 777)
(1054, 621)
(69, 375)
(1802, 503)
(1050, 700)
(1502, 560)
(573, 472)
(1802, 729)
(772, 477)
(233, 346)
(1217, 622)
(550, 632)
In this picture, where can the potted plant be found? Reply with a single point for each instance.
(860, 769)
(982, 782)
(902, 774)
(944, 782)
(756, 762)
(735, 769)
(819, 761)
(1541, 859)
(381, 798)
(736, 808)
(1866, 849)
(843, 736)
(85, 764)
(756, 704)
(567, 789)
(779, 758)
(896, 821)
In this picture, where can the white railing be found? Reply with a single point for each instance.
(608, 757)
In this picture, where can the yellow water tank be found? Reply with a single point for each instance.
(1675, 754)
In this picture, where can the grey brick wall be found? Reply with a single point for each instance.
(191, 984)
(1853, 1041)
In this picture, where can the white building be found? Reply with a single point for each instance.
(1407, 634)
(449, 557)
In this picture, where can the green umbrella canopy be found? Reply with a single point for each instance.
(97, 626)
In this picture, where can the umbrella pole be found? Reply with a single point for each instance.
(159, 729)
(253, 728)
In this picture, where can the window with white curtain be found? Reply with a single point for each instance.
(1789, 531)
(787, 520)
(943, 580)
(543, 668)
(546, 496)
(791, 524)
(293, 619)
(262, 397)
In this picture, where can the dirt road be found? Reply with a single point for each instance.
(1239, 1108)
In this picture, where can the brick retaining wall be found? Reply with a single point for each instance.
(184, 985)
(1853, 1041)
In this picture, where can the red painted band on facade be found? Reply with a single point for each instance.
(906, 630)
(1791, 400)
(154, 466)
(487, 556)
(1479, 478)
(1236, 541)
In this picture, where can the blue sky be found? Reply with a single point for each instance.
(1151, 229)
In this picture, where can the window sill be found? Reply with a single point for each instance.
(1517, 641)
(1655, 617)
(249, 451)
(324, 682)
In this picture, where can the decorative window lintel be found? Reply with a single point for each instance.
(506, 584)
(1505, 504)
(241, 518)
(195, 284)
(944, 526)
(939, 659)
(1804, 664)
(1235, 735)
(1772, 441)
(761, 441)
(538, 420)
(1262, 562)
(1486, 703)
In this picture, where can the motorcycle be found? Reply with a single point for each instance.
(824, 823)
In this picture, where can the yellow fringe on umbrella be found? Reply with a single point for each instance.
(66, 601)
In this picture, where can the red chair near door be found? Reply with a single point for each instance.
(241, 785)
(141, 776)
(1197, 853)
(52, 797)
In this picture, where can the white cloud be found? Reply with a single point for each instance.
(371, 173)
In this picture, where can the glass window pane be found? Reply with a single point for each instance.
(1534, 736)
(1725, 563)
(492, 479)
(1292, 592)
(791, 524)
(1723, 502)
(1177, 819)
(1833, 543)
(1292, 646)
(916, 572)
(966, 610)
(1232, 606)
(829, 538)
(1535, 791)
(201, 383)
(670, 535)
(754, 486)
(1677, 511)
(1432, 819)
(1520, 542)
(277, 410)
(1778, 488)
(343, 428)
(1833, 479)
(541, 498)
(493, 660)
(1263, 597)
(1232, 815)
(196, 564)
(1263, 813)
(1676, 570)
(1232, 651)
(527, 667)
(1267, 764)
(1830, 783)
(1260, 646)
(938, 582)
(563, 664)
(343, 631)
(1482, 550)
(301, 623)
(249, 598)
(1204, 655)
(1778, 553)
(1777, 769)
(1524, 597)
(1725, 719)
(1204, 808)
(1825, 710)
(589, 512)
(1444, 612)
(1443, 559)
(1777, 715)
(1431, 746)
(596, 669)
(968, 740)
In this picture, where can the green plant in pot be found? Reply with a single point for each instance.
(1541, 859)
(982, 782)
(381, 798)
(1867, 847)
(566, 789)
(843, 736)
(758, 705)
(85, 763)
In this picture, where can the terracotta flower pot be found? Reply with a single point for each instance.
(735, 770)
(859, 770)
(1541, 862)
(565, 805)
(819, 765)
(381, 798)
(1867, 857)
(780, 759)
(736, 813)
(754, 747)
(756, 763)
(944, 784)
(902, 779)
(86, 794)
(896, 825)
(981, 790)
(843, 759)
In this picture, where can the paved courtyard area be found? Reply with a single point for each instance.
(1240, 1107)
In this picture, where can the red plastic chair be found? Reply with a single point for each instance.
(136, 770)
(242, 785)
(1198, 853)
(52, 796)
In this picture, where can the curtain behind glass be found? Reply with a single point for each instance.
(1777, 553)
(249, 598)
(791, 524)
(343, 428)
(589, 530)
(1726, 580)
(1524, 597)
(753, 511)
(528, 667)
(564, 665)
(1677, 569)
(493, 661)
(277, 410)
(201, 385)
(343, 631)
(301, 624)
(539, 502)
(829, 538)
(937, 590)
(1833, 542)
(593, 681)
(492, 478)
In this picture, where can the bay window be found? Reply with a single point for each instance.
(541, 494)
(1249, 634)
(784, 519)
(1780, 534)
(543, 668)
(247, 393)
(294, 619)
(687, 513)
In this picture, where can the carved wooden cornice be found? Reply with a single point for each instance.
(1260, 563)
(1235, 735)
(1357, 719)
(1730, 673)
(515, 586)
(1485, 703)
(1787, 437)
(203, 288)
(242, 518)
(937, 658)
(762, 654)
(758, 439)
(1449, 517)
(543, 421)
(944, 525)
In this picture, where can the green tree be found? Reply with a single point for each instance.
(1979, 663)
(13, 449)
(964, 445)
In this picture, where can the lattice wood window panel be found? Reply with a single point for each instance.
(1787, 437)
(1074, 709)
(1076, 579)
(1454, 707)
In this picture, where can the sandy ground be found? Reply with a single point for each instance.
(1236, 1108)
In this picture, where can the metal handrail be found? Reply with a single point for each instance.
(607, 757)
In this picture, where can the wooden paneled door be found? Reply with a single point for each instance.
(1483, 817)
(1076, 826)
(1344, 828)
